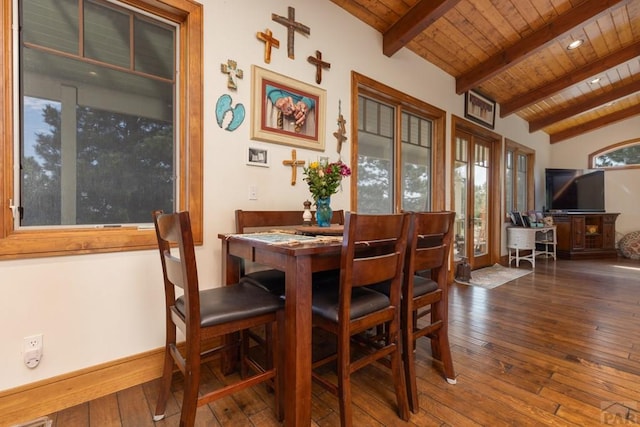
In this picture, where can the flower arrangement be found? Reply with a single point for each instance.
(325, 178)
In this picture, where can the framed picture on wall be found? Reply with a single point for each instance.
(287, 111)
(480, 109)
(258, 157)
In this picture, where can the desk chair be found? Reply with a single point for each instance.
(206, 315)
(373, 250)
(425, 292)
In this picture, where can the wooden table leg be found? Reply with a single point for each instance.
(230, 274)
(297, 352)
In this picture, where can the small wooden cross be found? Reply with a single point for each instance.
(232, 71)
(342, 131)
(294, 163)
(269, 42)
(292, 27)
(320, 64)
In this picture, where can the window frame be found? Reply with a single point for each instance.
(17, 244)
(365, 86)
(610, 148)
(519, 149)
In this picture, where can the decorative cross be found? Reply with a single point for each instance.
(341, 132)
(292, 27)
(294, 163)
(232, 71)
(320, 64)
(269, 42)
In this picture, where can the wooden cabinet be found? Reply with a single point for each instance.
(586, 235)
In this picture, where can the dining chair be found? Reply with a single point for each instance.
(206, 315)
(425, 294)
(373, 251)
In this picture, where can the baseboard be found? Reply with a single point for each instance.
(44, 397)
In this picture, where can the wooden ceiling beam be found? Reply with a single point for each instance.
(585, 105)
(539, 39)
(589, 70)
(595, 124)
(412, 23)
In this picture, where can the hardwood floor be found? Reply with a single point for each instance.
(557, 347)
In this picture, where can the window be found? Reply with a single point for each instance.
(100, 139)
(624, 154)
(519, 192)
(399, 151)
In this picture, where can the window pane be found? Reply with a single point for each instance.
(625, 156)
(416, 163)
(509, 182)
(97, 142)
(51, 23)
(106, 35)
(375, 161)
(154, 47)
(521, 183)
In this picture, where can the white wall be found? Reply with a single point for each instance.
(96, 308)
(622, 187)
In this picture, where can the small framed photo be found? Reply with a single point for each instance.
(258, 157)
(480, 109)
(517, 219)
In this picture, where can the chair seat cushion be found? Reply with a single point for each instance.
(270, 280)
(421, 286)
(274, 280)
(326, 300)
(233, 302)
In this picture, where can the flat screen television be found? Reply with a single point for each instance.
(575, 190)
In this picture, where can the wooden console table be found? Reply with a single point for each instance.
(586, 235)
(526, 239)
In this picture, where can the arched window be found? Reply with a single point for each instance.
(625, 154)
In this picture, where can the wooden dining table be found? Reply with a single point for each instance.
(299, 257)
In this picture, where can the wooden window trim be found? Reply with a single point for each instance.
(362, 85)
(15, 244)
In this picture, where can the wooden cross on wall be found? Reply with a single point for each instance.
(294, 163)
(341, 133)
(320, 64)
(269, 42)
(232, 71)
(292, 27)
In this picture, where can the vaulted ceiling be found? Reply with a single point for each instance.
(515, 52)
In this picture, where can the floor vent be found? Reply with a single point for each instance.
(40, 422)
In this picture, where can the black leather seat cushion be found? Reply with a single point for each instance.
(233, 302)
(421, 286)
(274, 280)
(363, 301)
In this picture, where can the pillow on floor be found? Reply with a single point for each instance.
(629, 245)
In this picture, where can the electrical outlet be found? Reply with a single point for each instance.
(253, 192)
(32, 350)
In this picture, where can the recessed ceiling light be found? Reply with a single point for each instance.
(594, 81)
(93, 73)
(575, 44)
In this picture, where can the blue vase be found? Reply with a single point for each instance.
(324, 213)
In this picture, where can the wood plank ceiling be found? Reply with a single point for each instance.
(515, 52)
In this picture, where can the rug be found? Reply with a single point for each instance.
(494, 276)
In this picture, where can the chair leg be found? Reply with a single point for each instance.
(278, 358)
(408, 359)
(164, 385)
(399, 383)
(344, 383)
(440, 346)
(191, 386)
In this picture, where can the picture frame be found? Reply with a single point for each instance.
(480, 109)
(257, 156)
(274, 119)
(517, 218)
